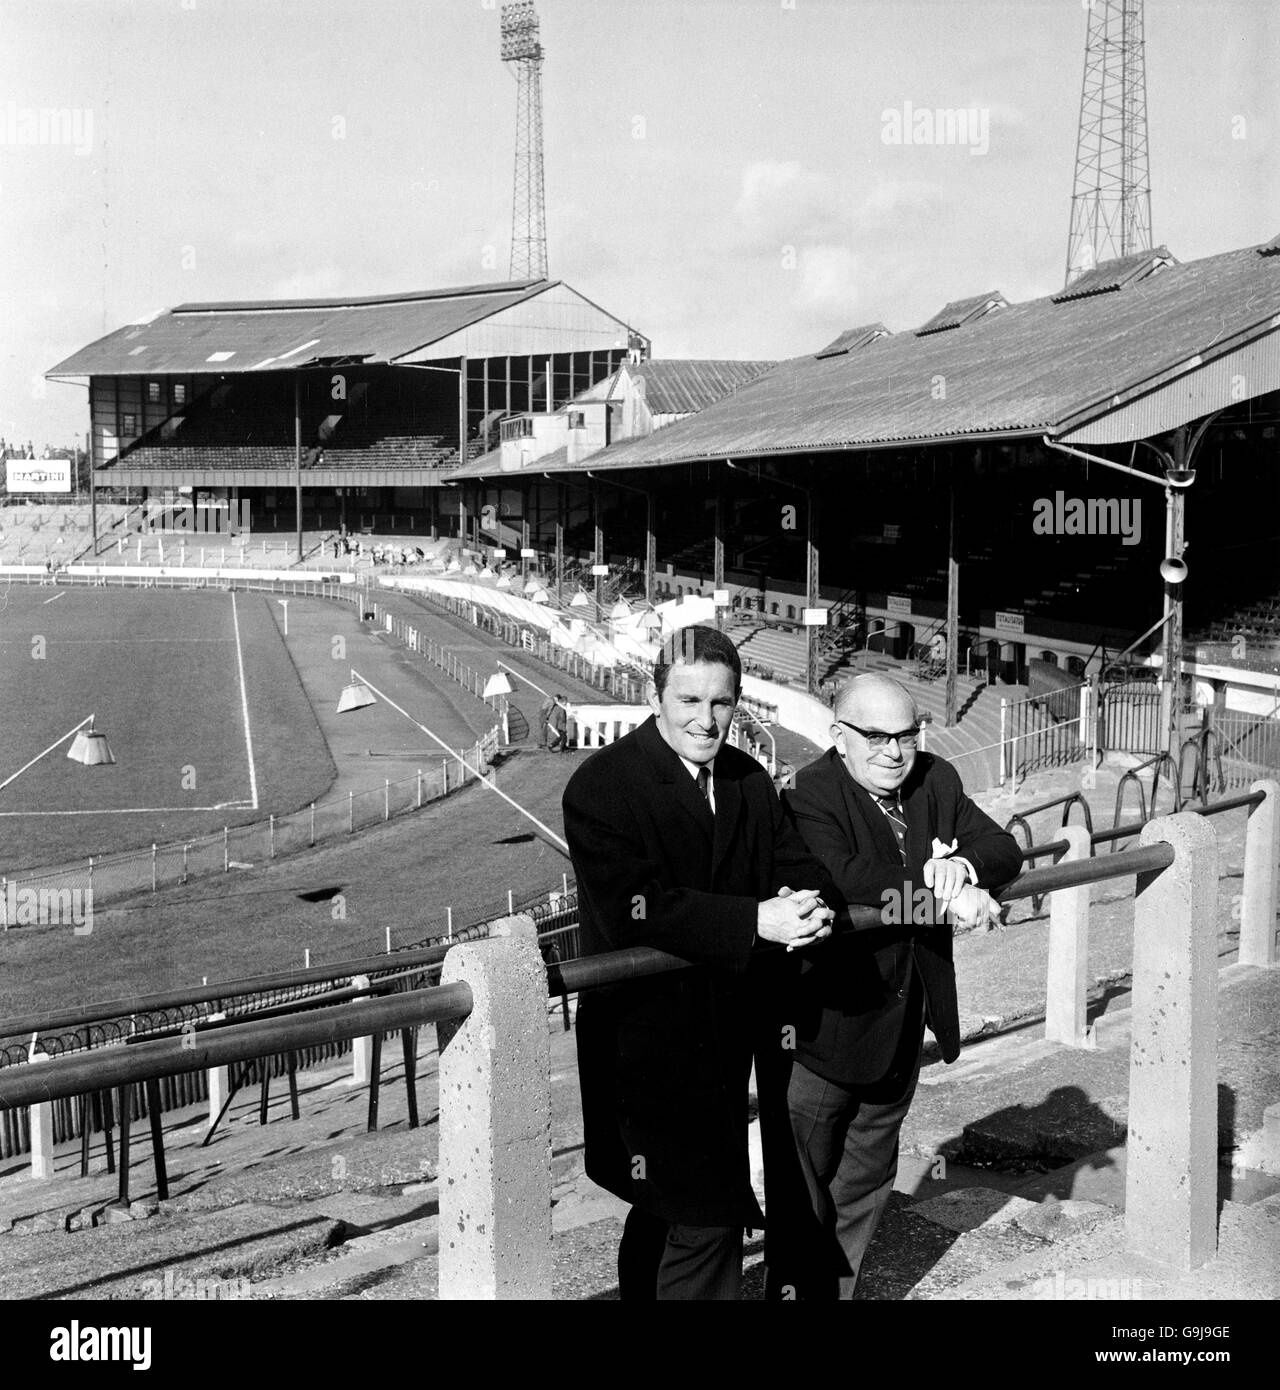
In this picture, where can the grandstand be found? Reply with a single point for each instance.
(876, 435)
(371, 399)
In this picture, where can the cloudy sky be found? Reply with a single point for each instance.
(717, 171)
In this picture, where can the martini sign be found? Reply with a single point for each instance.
(37, 475)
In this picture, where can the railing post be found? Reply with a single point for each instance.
(1171, 1184)
(1004, 720)
(219, 1083)
(361, 1048)
(495, 1121)
(1067, 981)
(40, 1119)
(1261, 866)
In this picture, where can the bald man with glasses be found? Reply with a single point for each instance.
(896, 831)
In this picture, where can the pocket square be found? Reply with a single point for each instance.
(941, 851)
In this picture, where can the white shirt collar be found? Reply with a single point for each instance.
(694, 769)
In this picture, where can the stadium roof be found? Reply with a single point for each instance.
(1165, 346)
(681, 386)
(283, 334)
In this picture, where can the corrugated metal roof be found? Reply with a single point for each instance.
(679, 386)
(276, 335)
(1021, 370)
(1116, 274)
(853, 338)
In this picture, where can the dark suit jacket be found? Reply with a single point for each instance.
(664, 1061)
(859, 1013)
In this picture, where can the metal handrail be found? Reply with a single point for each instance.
(83, 1072)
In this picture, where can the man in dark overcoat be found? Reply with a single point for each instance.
(898, 834)
(679, 842)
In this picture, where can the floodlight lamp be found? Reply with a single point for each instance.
(503, 582)
(541, 597)
(497, 685)
(1173, 570)
(519, 30)
(579, 600)
(1180, 478)
(621, 609)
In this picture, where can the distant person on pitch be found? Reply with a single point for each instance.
(897, 832)
(679, 842)
(558, 725)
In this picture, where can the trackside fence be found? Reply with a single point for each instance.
(183, 1014)
(243, 846)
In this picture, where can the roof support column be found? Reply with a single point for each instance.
(297, 456)
(598, 552)
(560, 510)
(953, 589)
(508, 384)
(650, 545)
(550, 384)
(717, 554)
(93, 495)
(462, 410)
(524, 531)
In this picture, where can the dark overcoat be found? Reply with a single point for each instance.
(664, 1061)
(859, 1017)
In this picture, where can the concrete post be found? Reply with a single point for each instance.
(1172, 1170)
(219, 1082)
(495, 1121)
(361, 1048)
(40, 1119)
(1067, 979)
(1261, 867)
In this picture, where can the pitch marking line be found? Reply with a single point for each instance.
(139, 810)
(244, 707)
(57, 743)
(63, 594)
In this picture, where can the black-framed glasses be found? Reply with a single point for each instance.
(877, 738)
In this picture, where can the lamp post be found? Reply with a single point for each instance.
(1179, 473)
(360, 693)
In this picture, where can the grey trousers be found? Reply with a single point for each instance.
(848, 1151)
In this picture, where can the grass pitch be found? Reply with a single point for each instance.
(200, 703)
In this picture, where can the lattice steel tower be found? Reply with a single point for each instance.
(522, 52)
(1111, 200)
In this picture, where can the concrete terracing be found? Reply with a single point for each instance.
(1011, 1186)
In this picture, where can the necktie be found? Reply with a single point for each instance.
(893, 814)
(704, 786)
